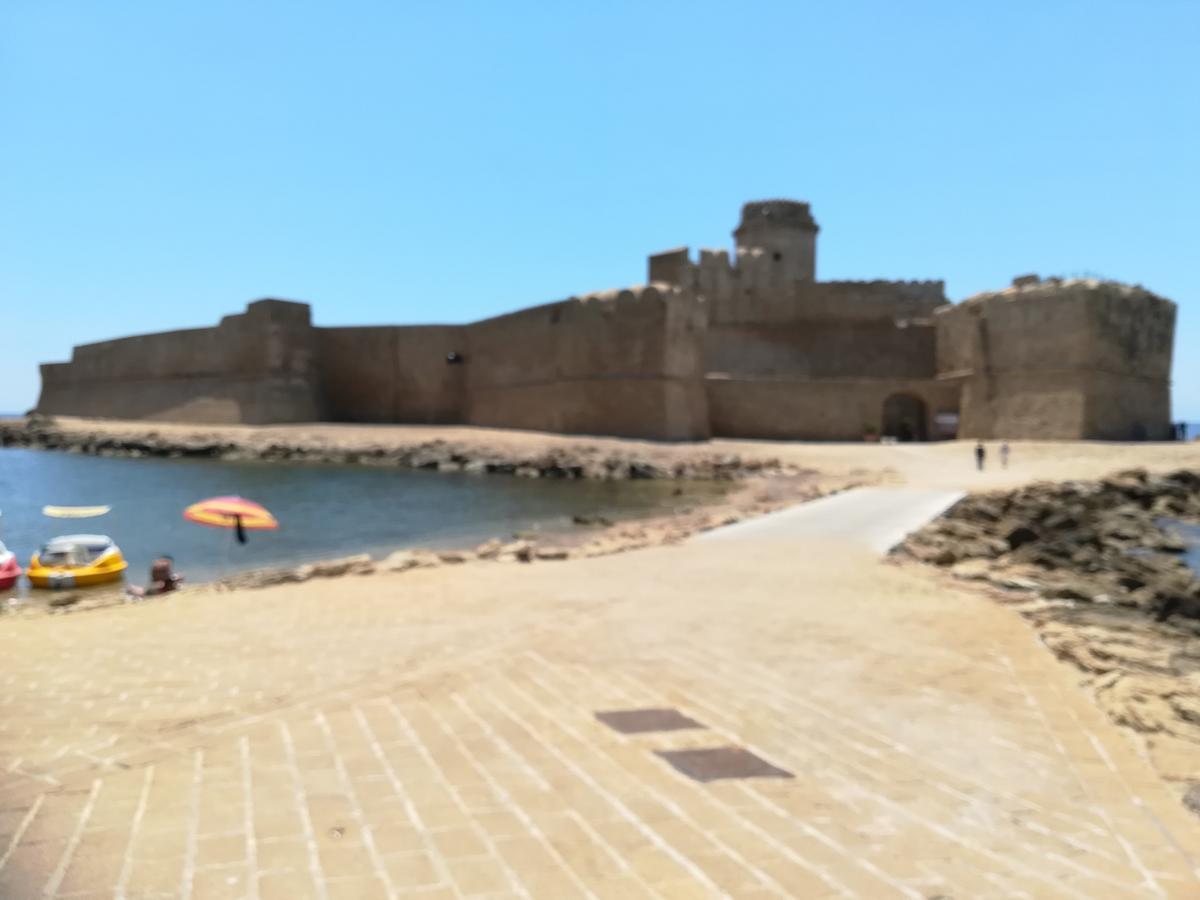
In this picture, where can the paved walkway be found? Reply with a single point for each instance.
(433, 734)
(878, 518)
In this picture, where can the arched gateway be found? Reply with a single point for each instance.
(904, 417)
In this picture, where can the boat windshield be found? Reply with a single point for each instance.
(71, 554)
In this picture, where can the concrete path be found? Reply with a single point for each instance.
(434, 735)
(878, 518)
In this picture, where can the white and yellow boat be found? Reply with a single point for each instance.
(77, 560)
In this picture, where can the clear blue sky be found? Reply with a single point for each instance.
(163, 163)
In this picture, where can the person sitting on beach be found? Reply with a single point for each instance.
(163, 579)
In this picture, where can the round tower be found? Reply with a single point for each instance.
(784, 231)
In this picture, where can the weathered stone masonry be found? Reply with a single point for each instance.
(749, 346)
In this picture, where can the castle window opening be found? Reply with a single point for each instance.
(777, 256)
(453, 358)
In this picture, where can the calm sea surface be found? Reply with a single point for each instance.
(1191, 534)
(323, 511)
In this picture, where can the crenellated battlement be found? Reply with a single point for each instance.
(764, 214)
(931, 283)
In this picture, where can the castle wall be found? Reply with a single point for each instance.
(823, 349)
(1131, 332)
(1034, 405)
(623, 362)
(1126, 408)
(1132, 338)
(959, 337)
(817, 361)
(392, 374)
(1060, 361)
(669, 267)
(750, 347)
(752, 294)
(253, 368)
(835, 409)
(204, 400)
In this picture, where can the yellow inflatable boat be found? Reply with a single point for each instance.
(77, 560)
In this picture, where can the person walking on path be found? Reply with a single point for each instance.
(980, 455)
(1004, 455)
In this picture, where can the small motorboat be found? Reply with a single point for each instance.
(10, 571)
(77, 560)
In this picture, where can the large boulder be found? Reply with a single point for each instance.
(403, 560)
(1019, 536)
(489, 549)
(520, 551)
(359, 564)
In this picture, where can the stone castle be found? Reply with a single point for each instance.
(745, 346)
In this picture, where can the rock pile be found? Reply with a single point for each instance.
(1144, 674)
(581, 461)
(1103, 541)
(1094, 569)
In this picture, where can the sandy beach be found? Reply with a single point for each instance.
(433, 733)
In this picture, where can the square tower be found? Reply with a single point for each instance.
(1060, 360)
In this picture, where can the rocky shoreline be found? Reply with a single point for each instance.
(596, 536)
(1104, 542)
(580, 460)
(1096, 569)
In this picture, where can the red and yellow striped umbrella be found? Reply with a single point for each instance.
(231, 512)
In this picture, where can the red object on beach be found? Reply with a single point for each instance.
(10, 569)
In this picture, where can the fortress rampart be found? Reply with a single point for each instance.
(1061, 359)
(747, 345)
(257, 367)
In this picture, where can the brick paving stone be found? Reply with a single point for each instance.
(453, 843)
(289, 885)
(936, 747)
(341, 860)
(356, 888)
(275, 854)
(397, 836)
(86, 873)
(220, 884)
(477, 875)
(438, 893)
(155, 876)
(408, 871)
(501, 823)
(622, 887)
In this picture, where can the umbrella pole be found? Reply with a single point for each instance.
(227, 569)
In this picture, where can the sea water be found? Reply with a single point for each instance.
(1191, 534)
(324, 511)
